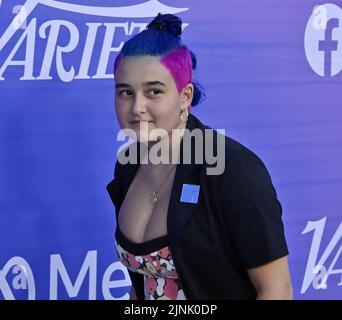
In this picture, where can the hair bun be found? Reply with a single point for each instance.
(167, 23)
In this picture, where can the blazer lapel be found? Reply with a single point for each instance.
(179, 212)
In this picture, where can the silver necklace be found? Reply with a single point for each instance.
(154, 198)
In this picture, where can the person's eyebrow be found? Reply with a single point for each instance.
(153, 83)
(149, 83)
(122, 85)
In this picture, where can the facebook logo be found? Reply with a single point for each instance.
(328, 45)
(323, 40)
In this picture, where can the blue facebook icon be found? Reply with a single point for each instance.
(328, 45)
(323, 40)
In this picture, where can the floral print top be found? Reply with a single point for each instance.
(152, 259)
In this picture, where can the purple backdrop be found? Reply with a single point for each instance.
(272, 75)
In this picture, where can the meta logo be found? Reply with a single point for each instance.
(77, 43)
(23, 278)
(17, 279)
(323, 40)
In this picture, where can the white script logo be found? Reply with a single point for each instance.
(317, 272)
(67, 47)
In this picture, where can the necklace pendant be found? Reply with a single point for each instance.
(154, 198)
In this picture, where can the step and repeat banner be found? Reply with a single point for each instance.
(272, 74)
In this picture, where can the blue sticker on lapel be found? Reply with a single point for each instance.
(190, 193)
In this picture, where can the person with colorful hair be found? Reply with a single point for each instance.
(181, 233)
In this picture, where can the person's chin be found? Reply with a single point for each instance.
(139, 135)
(142, 138)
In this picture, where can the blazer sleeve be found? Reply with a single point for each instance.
(251, 210)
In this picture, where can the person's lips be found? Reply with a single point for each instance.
(139, 121)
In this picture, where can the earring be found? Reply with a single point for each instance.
(181, 116)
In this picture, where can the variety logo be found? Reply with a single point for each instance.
(323, 40)
(23, 278)
(317, 271)
(60, 38)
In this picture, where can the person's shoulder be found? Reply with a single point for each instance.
(233, 148)
(130, 151)
(238, 154)
(245, 172)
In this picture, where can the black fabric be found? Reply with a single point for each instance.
(142, 248)
(137, 280)
(253, 217)
(235, 225)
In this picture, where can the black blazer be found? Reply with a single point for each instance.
(235, 225)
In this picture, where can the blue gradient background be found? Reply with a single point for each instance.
(58, 140)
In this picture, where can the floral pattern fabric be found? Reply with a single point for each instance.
(161, 281)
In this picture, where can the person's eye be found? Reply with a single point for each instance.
(125, 93)
(154, 92)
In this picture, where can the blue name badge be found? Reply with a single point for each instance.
(190, 193)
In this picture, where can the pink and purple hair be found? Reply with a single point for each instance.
(162, 39)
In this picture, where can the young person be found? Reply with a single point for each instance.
(182, 233)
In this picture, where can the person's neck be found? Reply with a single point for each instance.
(173, 142)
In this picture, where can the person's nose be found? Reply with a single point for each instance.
(139, 104)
